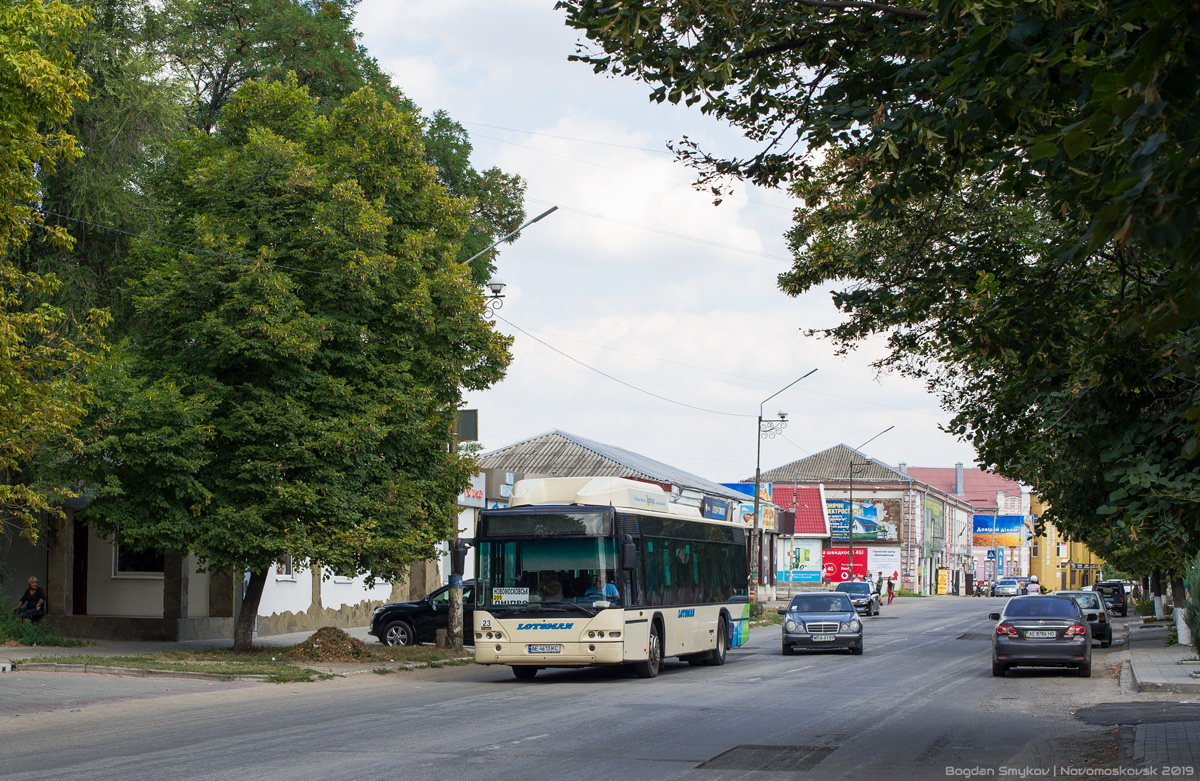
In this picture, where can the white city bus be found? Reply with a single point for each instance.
(592, 571)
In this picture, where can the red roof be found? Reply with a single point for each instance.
(979, 486)
(806, 503)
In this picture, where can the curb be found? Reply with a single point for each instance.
(133, 672)
(140, 672)
(1140, 685)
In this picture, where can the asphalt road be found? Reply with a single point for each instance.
(920, 703)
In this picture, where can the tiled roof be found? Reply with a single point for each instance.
(561, 454)
(979, 486)
(832, 464)
(806, 502)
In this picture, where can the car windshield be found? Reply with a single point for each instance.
(1109, 591)
(855, 588)
(821, 603)
(1007, 583)
(1086, 601)
(549, 574)
(1051, 607)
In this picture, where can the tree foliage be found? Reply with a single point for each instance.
(43, 351)
(101, 199)
(293, 381)
(1007, 190)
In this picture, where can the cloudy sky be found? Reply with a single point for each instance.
(644, 316)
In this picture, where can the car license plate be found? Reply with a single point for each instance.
(545, 649)
(1041, 633)
(822, 638)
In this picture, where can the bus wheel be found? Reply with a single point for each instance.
(716, 657)
(650, 667)
(524, 673)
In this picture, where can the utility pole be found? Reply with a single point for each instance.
(458, 561)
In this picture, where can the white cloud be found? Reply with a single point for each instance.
(683, 316)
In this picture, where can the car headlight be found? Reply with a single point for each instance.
(851, 626)
(790, 625)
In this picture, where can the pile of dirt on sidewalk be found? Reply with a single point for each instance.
(330, 644)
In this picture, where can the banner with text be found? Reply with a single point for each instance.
(800, 560)
(874, 519)
(835, 563)
(994, 531)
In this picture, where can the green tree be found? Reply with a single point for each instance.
(216, 46)
(101, 199)
(1009, 189)
(293, 381)
(43, 351)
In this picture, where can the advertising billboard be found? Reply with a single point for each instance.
(766, 515)
(874, 519)
(835, 564)
(992, 531)
(800, 561)
(885, 560)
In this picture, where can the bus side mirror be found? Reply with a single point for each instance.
(628, 553)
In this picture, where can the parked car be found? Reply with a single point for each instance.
(866, 599)
(1041, 631)
(409, 623)
(1113, 593)
(822, 620)
(1006, 587)
(1096, 613)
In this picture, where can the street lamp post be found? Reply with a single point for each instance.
(767, 429)
(850, 514)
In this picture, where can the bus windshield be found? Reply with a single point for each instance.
(549, 574)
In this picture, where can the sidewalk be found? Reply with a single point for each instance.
(1155, 667)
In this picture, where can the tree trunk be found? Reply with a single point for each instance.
(1157, 590)
(243, 628)
(454, 637)
(1180, 599)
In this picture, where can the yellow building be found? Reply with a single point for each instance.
(1058, 562)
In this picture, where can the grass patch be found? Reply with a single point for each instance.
(280, 664)
(13, 632)
(768, 618)
(906, 593)
(217, 661)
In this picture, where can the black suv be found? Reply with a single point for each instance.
(409, 623)
(1113, 594)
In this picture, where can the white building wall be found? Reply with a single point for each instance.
(109, 594)
(284, 593)
(198, 583)
(339, 591)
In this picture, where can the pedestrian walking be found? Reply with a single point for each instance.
(891, 590)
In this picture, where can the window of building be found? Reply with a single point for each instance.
(137, 564)
(283, 568)
(1033, 550)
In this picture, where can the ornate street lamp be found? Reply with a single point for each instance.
(496, 299)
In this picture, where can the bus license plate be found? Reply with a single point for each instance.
(822, 638)
(1041, 633)
(545, 649)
